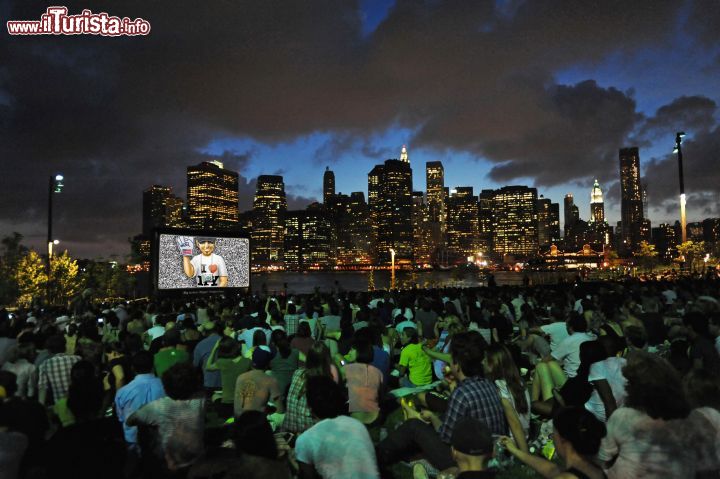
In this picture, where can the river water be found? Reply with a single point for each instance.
(301, 283)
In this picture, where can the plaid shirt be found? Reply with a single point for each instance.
(55, 374)
(478, 398)
(298, 417)
(291, 323)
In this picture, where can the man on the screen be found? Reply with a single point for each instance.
(208, 269)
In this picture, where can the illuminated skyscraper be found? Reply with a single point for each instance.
(155, 201)
(515, 229)
(328, 185)
(485, 220)
(308, 239)
(666, 238)
(548, 222)
(375, 189)
(212, 196)
(269, 208)
(435, 192)
(462, 224)
(597, 207)
(422, 240)
(631, 201)
(390, 200)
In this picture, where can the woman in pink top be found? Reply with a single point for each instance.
(364, 383)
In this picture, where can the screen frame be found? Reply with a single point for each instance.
(176, 292)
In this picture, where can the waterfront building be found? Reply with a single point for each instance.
(515, 225)
(269, 208)
(548, 222)
(462, 224)
(212, 196)
(634, 229)
(328, 185)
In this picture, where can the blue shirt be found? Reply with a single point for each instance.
(143, 389)
(211, 379)
(381, 360)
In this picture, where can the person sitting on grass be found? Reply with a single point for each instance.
(338, 446)
(549, 374)
(255, 389)
(577, 439)
(226, 357)
(474, 396)
(472, 447)
(413, 361)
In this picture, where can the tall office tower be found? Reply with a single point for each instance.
(597, 206)
(308, 239)
(269, 208)
(631, 204)
(422, 231)
(548, 222)
(462, 224)
(359, 247)
(390, 195)
(485, 220)
(435, 192)
(665, 238)
(516, 221)
(404, 155)
(375, 187)
(571, 212)
(212, 196)
(328, 185)
(155, 201)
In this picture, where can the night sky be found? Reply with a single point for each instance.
(535, 92)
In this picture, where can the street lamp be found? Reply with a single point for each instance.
(392, 268)
(55, 186)
(678, 149)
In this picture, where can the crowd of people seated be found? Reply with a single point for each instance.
(612, 379)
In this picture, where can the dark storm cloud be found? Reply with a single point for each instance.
(116, 115)
(691, 113)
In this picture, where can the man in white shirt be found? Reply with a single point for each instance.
(338, 446)
(549, 374)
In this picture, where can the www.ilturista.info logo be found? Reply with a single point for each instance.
(56, 21)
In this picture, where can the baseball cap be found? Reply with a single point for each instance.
(471, 437)
(261, 357)
(206, 239)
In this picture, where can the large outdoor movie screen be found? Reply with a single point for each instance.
(187, 261)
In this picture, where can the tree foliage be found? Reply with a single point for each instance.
(693, 254)
(64, 280)
(30, 276)
(647, 256)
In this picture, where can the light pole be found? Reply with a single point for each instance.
(392, 268)
(678, 149)
(55, 185)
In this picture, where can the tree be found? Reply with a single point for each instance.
(64, 280)
(12, 252)
(647, 256)
(31, 279)
(692, 253)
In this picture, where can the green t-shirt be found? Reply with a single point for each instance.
(418, 363)
(167, 358)
(229, 372)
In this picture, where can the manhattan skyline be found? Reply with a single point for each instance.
(540, 93)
